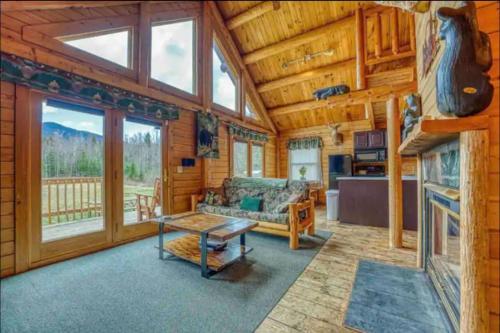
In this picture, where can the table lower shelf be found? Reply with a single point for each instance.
(187, 248)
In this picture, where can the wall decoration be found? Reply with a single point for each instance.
(431, 44)
(307, 57)
(337, 137)
(38, 76)
(305, 143)
(411, 113)
(246, 133)
(207, 133)
(462, 83)
(409, 6)
(324, 93)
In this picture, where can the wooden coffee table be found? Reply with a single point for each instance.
(205, 226)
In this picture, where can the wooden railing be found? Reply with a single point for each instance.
(71, 198)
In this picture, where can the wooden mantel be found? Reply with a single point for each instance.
(428, 133)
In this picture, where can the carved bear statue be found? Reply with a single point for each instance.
(462, 84)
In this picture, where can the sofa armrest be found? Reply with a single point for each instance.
(195, 199)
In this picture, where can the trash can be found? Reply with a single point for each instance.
(332, 205)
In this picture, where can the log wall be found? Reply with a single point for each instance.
(7, 169)
(488, 19)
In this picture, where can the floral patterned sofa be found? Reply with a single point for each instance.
(287, 209)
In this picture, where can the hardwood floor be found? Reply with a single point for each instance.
(318, 300)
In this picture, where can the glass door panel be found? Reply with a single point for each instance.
(72, 169)
(142, 165)
(257, 161)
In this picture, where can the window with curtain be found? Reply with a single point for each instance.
(172, 54)
(240, 159)
(257, 161)
(305, 164)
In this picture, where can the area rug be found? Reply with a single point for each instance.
(128, 289)
(391, 299)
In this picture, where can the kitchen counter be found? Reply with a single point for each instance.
(365, 201)
(374, 178)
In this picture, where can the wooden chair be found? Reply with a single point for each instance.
(146, 204)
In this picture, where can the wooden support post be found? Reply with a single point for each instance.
(420, 201)
(395, 180)
(378, 36)
(474, 148)
(144, 43)
(413, 37)
(394, 31)
(252, 14)
(360, 50)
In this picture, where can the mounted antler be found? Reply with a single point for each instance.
(337, 137)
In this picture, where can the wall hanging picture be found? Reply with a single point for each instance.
(431, 44)
(412, 112)
(409, 6)
(462, 83)
(207, 133)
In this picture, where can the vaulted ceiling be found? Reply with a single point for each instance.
(291, 49)
(274, 38)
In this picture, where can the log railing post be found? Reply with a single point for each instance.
(474, 150)
(395, 179)
(360, 49)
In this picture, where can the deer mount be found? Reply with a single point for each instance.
(337, 137)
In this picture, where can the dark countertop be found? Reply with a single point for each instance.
(373, 178)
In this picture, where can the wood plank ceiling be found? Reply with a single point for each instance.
(266, 34)
(271, 33)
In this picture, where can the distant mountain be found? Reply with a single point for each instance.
(50, 128)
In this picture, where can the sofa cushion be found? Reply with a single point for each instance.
(235, 212)
(283, 206)
(252, 204)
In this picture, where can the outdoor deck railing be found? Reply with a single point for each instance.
(71, 197)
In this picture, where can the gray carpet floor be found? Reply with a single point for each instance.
(392, 299)
(128, 289)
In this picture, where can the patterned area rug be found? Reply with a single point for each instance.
(392, 299)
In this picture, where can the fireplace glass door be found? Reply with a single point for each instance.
(443, 252)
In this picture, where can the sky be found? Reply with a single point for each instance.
(88, 122)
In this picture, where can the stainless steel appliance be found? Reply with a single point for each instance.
(374, 155)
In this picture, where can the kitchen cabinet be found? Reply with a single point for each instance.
(369, 139)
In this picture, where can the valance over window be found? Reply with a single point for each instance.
(305, 143)
(246, 133)
(38, 76)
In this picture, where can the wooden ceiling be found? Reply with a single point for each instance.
(270, 39)
(271, 33)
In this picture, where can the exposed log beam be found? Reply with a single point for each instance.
(144, 43)
(360, 50)
(391, 57)
(305, 76)
(8, 6)
(252, 13)
(249, 84)
(394, 31)
(296, 41)
(369, 114)
(377, 94)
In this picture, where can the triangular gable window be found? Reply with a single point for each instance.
(112, 46)
(250, 110)
(223, 79)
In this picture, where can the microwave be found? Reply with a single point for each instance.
(370, 155)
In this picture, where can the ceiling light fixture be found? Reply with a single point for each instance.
(307, 57)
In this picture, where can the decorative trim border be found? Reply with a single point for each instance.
(246, 133)
(38, 76)
(305, 143)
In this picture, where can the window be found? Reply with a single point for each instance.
(172, 54)
(112, 46)
(240, 159)
(305, 164)
(257, 161)
(250, 110)
(223, 80)
(242, 151)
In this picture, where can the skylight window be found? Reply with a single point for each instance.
(172, 54)
(223, 80)
(110, 46)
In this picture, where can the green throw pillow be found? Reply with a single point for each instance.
(252, 204)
